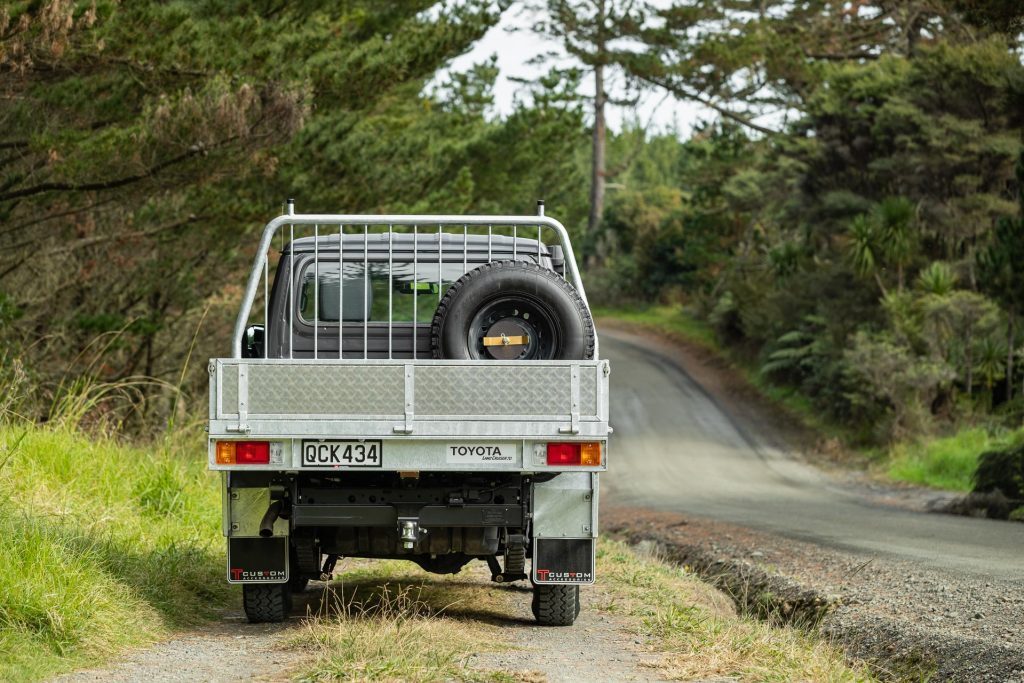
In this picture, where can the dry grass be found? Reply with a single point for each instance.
(698, 631)
(383, 623)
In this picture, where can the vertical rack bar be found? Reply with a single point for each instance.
(341, 291)
(465, 249)
(291, 290)
(391, 234)
(515, 242)
(440, 261)
(290, 210)
(316, 290)
(540, 212)
(266, 303)
(489, 235)
(366, 291)
(415, 284)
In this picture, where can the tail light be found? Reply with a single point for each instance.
(243, 452)
(587, 454)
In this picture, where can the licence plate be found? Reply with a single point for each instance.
(342, 453)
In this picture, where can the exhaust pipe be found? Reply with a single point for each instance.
(269, 517)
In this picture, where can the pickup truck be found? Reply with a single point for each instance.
(420, 387)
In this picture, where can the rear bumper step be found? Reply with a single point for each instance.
(388, 515)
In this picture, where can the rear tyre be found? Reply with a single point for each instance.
(266, 603)
(305, 564)
(556, 605)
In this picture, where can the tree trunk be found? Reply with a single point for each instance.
(1009, 354)
(597, 167)
(881, 285)
(969, 360)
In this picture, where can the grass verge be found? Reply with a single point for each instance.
(104, 546)
(950, 462)
(698, 632)
(672, 321)
(387, 623)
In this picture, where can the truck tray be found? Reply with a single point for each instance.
(270, 398)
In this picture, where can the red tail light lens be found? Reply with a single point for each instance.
(252, 452)
(563, 454)
(243, 452)
(587, 454)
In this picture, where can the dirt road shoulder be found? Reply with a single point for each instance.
(644, 620)
(911, 622)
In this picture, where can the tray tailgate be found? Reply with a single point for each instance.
(254, 390)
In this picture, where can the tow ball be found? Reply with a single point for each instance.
(409, 532)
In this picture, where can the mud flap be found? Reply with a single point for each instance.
(563, 560)
(258, 560)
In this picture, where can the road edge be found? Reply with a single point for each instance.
(896, 650)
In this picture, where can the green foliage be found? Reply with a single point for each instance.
(144, 142)
(880, 222)
(887, 370)
(999, 15)
(936, 279)
(865, 218)
(96, 564)
(965, 460)
(1001, 469)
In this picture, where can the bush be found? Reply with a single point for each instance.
(1002, 470)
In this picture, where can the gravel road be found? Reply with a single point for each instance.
(700, 450)
(600, 647)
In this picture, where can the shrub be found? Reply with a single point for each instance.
(1002, 470)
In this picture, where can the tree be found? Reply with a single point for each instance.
(959, 328)
(1001, 272)
(743, 60)
(887, 370)
(587, 30)
(1006, 16)
(883, 238)
(142, 141)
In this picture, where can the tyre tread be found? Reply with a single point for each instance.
(268, 603)
(556, 605)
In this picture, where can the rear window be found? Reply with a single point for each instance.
(358, 295)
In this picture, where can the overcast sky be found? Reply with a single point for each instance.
(514, 50)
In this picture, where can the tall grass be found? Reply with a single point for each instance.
(386, 621)
(950, 462)
(104, 546)
(393, 634)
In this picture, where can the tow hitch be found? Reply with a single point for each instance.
(409, 528)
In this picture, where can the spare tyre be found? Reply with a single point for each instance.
(512, 310)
